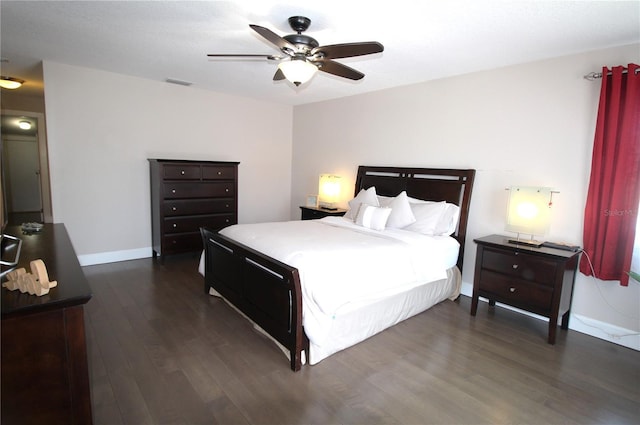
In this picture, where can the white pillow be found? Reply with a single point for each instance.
(418, 201)
(372, 217)
(401, 214)
(449, 220)
(367, 196)
(384, 201)
(428, 216)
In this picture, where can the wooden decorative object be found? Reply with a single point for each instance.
(35, 283)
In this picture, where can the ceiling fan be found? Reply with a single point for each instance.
(306, 56)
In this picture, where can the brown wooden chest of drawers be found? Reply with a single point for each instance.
(539, 280)
(187, 195)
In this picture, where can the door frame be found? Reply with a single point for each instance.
(43, 157)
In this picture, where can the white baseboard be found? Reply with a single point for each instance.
(608, 332)
(602, 330)
(114, 256)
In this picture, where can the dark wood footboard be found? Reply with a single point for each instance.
(264, 289)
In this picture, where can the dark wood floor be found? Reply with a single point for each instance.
(163, 352)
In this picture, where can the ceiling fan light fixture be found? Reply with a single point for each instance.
(24, 125)
(298, 70)
(10, 83)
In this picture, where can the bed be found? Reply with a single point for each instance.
(344, 293)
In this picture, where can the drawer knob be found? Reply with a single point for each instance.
(182, 172)
(226, 190)
(173, 191)
(175, 225)
(512, 289)
(227, 206)
(515, 266)
(219, 173)
(174, 209)
(227, 220)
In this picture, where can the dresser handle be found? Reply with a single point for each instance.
(226, 190)
(515, 266)
(182, 172)
(512, 289)
(175, 225)
(219, 173)
(227, 206)
(174, 209)
(173, 191)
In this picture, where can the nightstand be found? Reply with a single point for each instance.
(538, 280)
(312, 213)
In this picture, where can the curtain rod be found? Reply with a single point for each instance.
(592, 76)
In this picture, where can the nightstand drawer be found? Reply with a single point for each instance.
(517, 265)
(516, 292)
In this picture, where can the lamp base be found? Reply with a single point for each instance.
(528, 242)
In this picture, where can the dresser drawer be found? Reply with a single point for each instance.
(181, 207)
(182, 242)
(218, 172)
(198, 190)
(517, 265)
(181, 172)
(193, 223)
(515, 292)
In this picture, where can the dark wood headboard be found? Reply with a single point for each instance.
(429, 184)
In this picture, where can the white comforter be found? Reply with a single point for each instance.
(343, 265)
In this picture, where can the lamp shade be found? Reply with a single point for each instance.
(328, 191)
(298, 70)
(529, 210)
(10, 82)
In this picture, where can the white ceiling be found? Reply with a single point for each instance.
(423, 40)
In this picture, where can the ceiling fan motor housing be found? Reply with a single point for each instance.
(303, 42)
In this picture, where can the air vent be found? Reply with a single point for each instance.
(178, 82)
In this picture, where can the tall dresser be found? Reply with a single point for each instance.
(187, 195)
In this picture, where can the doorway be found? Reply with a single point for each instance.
(26, 183)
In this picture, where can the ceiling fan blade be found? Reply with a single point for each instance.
(242, 55)
(279, 75)
(347, 50)
(274, 38)
(336, 68)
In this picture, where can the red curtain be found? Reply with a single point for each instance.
(611, 211)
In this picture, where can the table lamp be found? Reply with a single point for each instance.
(328, 191)
(529, 213)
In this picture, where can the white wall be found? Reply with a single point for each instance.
(531, 124)
(102, 127)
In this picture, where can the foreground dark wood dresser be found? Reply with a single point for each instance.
(187, 195)
(539, 280)
(45, 377)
